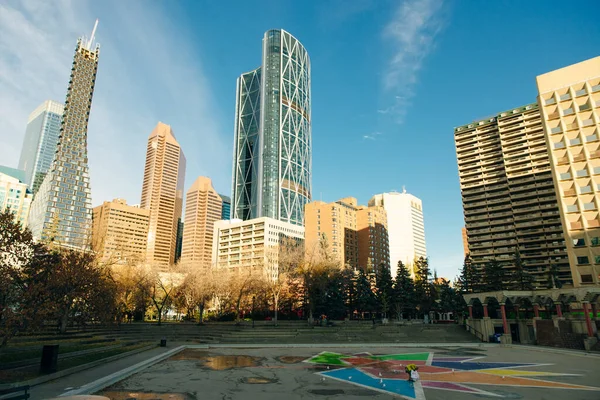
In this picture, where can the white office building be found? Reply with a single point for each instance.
(252, 243)
(406, 229)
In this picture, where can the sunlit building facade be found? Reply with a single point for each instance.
(14, 194)
(272, 144)
(62, 208)
(569, 99)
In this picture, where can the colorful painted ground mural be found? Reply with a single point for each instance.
(386, 373)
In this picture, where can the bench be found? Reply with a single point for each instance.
(11, 393)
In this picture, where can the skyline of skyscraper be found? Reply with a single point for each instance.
(62, 206)
(203, 206)
(406, 228)
(40, 141)
(226, 209)
(14, 194)
(162, 193)
(272, 144)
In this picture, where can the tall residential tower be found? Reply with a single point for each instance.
(62, 208)
(508, 194)
(272, 145)
(162, 194)
(39, 144)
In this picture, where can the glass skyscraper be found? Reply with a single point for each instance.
(62, 208)
(225, 207)
(39, 145)
(272, 145)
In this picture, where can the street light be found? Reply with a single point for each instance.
(253, 299)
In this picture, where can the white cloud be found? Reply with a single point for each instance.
(412, 32)
(372, 136)
(148, 71)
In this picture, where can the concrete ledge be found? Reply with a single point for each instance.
(72, 370)
(339, 345)
(108, 380)
(557, 350)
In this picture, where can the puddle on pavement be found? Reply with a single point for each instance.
(189, 354)
(254, 380)
(127, 395)
(290, 359)
(221, 363)
(326, 392)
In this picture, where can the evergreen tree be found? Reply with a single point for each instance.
(494, 276)
(404, 292)
(385, 289)
(423, 286)
(553, 278)
(521, 278)
(467, 276)
(365, 299)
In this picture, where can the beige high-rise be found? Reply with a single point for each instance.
(162, 193)
(120, 232)
(570, 101)
(356, 235)
(202, 208)
(508, 194)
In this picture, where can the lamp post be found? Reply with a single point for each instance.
(253, 299)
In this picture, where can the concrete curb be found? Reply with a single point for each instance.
(578, 353)
(108, 380)
(338, 345)
(72, 370)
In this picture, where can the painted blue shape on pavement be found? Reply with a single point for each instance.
(473, 365)
(353, 375)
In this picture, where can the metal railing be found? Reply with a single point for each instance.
(478, 334)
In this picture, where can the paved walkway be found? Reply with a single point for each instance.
(58, 386)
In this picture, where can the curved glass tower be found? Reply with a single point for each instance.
(272, 147)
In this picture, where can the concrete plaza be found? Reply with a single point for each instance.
(359, 372)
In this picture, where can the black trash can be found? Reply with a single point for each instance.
(49, 363)
(163, 342)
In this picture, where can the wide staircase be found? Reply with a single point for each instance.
(285, 332)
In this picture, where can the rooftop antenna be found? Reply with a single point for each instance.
(89, 44)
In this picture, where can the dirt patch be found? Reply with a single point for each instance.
(221, 363)
(290, 359)
(126, 395)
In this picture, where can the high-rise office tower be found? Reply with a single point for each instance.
(508, 194)
(39, 144)
(14, 194)
(162, 194)
(179, 241)
(356, 235)
(272, 145)
(203, 207)
(226, 209)
(570, 104)
(406, 229)
(62, 207)
(120, 232)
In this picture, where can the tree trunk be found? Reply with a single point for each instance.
(64, 319)
(201, 313)
(276, 303)
(159, 315)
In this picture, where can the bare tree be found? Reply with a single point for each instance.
(162, 285)
(198, 288)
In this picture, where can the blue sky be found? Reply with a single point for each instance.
(390, 81)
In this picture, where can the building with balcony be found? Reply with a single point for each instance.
(508, 194)
(356, 235)
(569, 99)
(120, 232)
(253, 243)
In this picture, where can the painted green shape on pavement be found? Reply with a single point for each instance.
(328, 358)
(400, 357)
